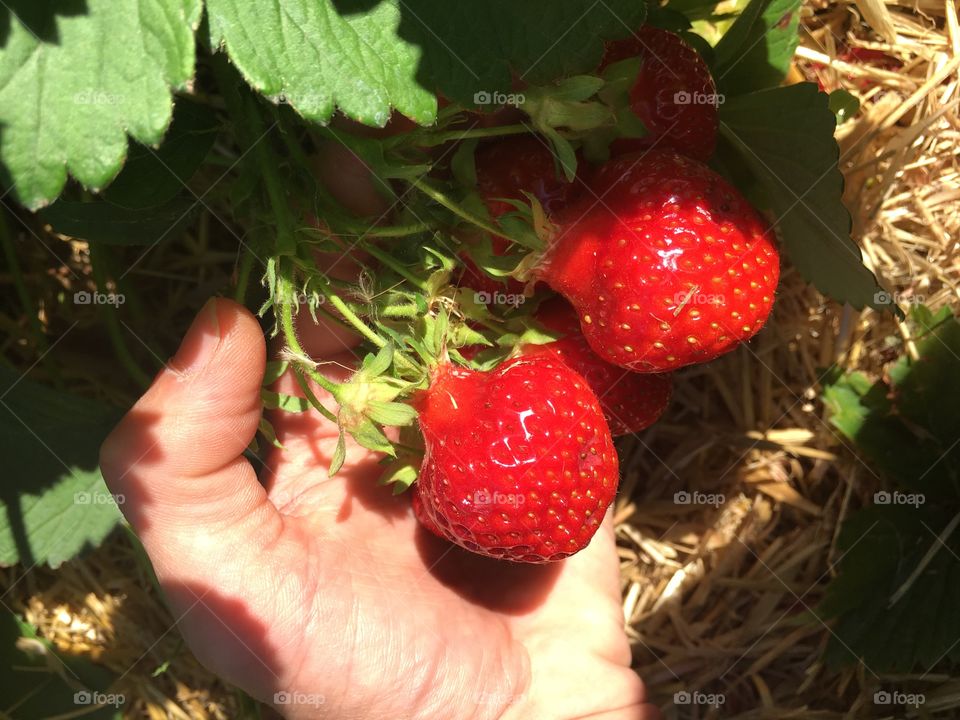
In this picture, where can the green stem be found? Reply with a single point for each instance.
(290, 335)
(359, 325)
(29, 308)
(311, 397)
(453, 207)
(251, 132)
(243, 275)
(286, 240)
(98, 260)
(452, 135)
(353, 320)
(396, 231)
(391, 263)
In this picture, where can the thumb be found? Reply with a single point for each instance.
(176, 458)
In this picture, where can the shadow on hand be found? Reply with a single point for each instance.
(306, 432)
(497, 585)
(228, 640)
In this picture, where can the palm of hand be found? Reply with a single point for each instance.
(324, 595)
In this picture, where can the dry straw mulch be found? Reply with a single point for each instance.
(720, 595)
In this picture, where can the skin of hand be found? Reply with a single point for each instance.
(322, 596)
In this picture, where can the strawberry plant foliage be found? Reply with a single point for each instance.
(895, 598)
(75, 79)
(366, 57)
(54, 502)
(757, 50)
(784, 138)
(251, 140)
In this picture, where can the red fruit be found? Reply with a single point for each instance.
(674, 94)
(630, 401)
(505, 169)
(519, 461)
(674, 267)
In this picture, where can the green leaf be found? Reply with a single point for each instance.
(893, 618)
(102, 221)
(153, 177)
(563, 151)
(376, 365)
(53, 500)
(895, 598)
(370, 436)
(288, 403)
(844, 105)
(755, 53)
(401, 473)
(275, 370)
(339, 455)
(909, 430)
(530, 336)
(266, 429)
(368, 57)
(393, 414)
(73, 84)
(784, 138)
(842, 398)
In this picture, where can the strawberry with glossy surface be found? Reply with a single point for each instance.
(674, 94)
(631, 401)
(673, 267)
(519, 462)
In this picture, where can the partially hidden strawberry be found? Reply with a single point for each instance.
(671, 266)
(631, 401)
(505, 169)
(519, 463)
(674, 94)
(508, 167)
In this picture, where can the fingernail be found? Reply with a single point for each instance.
(200, 343)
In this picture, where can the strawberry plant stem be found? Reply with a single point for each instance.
(452, 135)
(290, 335)
(437, 196)
(298, 375)
(109, 315)
(388, 231)
(243, 274)
(391, 263)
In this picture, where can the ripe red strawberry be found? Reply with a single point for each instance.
(672, 267)
(505, 169)
(519, 461)
(630, 401)
(674, 94)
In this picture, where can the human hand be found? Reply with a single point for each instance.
(323, 596)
